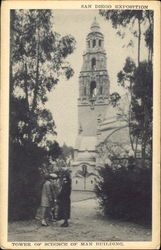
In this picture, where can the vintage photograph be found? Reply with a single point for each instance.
(80, 125)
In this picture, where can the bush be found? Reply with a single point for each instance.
(126, 193)
(28, 165)
(24, 181)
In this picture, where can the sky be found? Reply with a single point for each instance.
(63, 99)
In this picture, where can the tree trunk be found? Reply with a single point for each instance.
(25, 86)
(29, 133)
(130, 118)
(37, 73)
(139, 39)
(11, 84)
(150, 54)
(130, 136)
(145, 126)
(12, 19)
(143, 150)
(136, 146)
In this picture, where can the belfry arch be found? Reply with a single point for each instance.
(93, 63)
(101, 90)
(93, 89)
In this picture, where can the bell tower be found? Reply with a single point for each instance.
(93, 82)
(93, 103)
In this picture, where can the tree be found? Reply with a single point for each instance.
(53, 149)
(132, 199)
(149, 34)
(129, 18)
(138, 81)
(67, 151)
(142, 106)
(126, 80)
(125, 193)
(37, 61)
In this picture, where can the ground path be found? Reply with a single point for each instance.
(86, 224)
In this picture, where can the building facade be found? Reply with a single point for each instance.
(100, 125)
(93, 101)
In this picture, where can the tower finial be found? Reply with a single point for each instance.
(95, 25)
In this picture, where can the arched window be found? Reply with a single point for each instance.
(76, 182)
(93, 89)
(93, 63)
(91, 181)
(101, 90)
(100, 43)
(88, 44)
(84, 169)
(85, 91)
(94, 43)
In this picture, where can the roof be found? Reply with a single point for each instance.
(86, 143)
(80, 162)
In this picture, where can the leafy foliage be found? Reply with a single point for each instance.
(67, 151)
(125, 193)
(37, 61)
(125, 184)
(132, 19)
(24, 180)
(121, 17)
(114, 98)
(138, 80)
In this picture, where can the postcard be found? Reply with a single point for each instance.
(80, 125)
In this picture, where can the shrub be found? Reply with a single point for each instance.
(125, 193)
(28, 165)
(24, 181)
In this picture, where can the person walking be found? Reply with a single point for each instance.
(64, 200)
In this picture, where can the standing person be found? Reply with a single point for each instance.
(64, 200)
(47, 197)
(56, 187)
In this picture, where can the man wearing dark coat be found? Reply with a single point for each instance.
(64, 200)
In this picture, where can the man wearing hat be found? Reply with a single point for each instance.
(47, 196)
